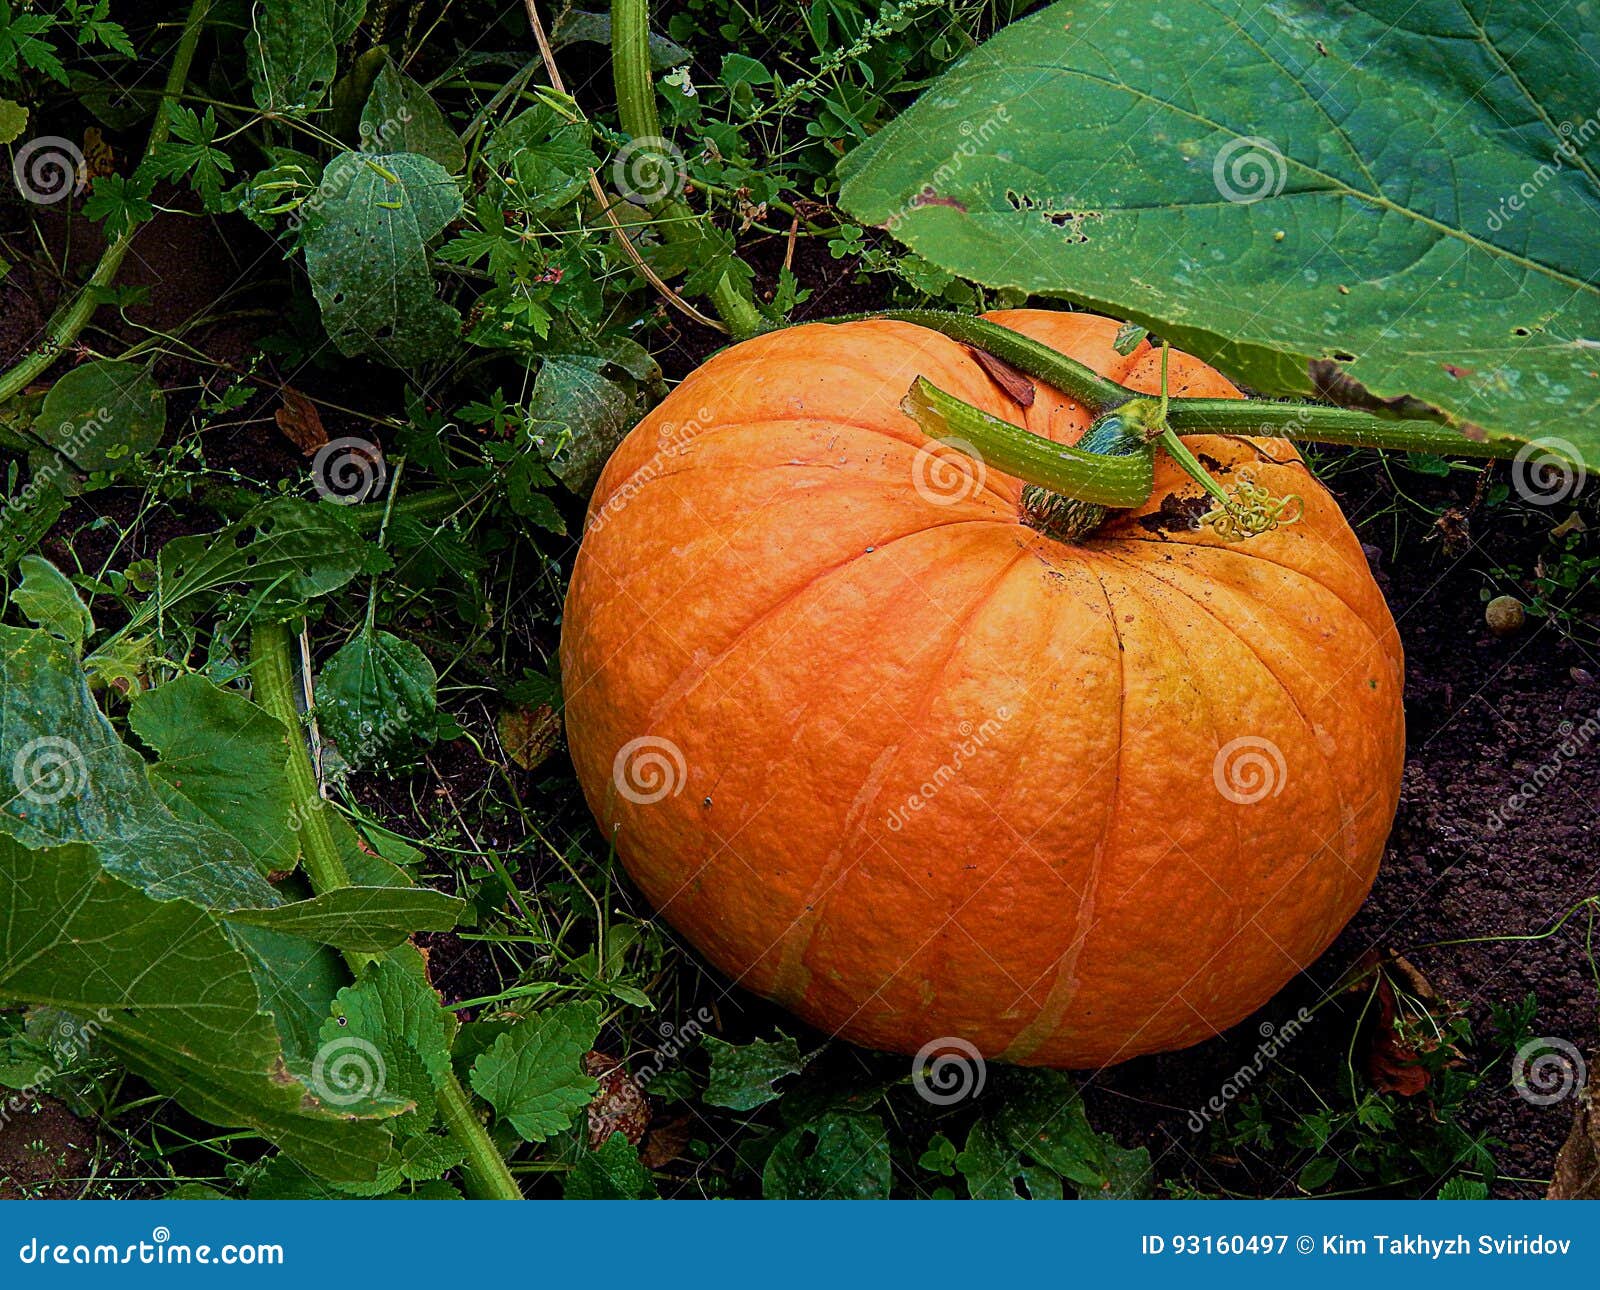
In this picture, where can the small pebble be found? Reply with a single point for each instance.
(1505, 615)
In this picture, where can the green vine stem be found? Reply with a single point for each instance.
(1097, 477)
(272, 671)
(68, 322)
(1028, 356)
(1125, 417)
(636, 108)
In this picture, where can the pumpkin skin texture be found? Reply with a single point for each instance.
(808, 638)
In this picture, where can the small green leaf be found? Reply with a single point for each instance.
(837, 1156)
(377, 698)
(13, 120)
(287, 549)
(366, 919)
(1463, 1189)
(533, 1075)
(1041, 1116)
(1318, 1172)
(293, 50)
(102, 414)
(742, 1075)
(366, 253)
(48, 598)
(584, 403)
(428, 1155)
(994, 1170)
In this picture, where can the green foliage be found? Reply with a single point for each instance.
(742, 1076)
(377, 698)
(1271, 227)
(49, 600)
(533, 1074)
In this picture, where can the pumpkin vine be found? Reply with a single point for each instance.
(1069, 490)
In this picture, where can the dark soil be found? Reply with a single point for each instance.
(44, 1150)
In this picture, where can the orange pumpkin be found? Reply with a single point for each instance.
(889, 756)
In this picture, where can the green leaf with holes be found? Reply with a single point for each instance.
(1394, 198)
(292, 50)
(366, 252)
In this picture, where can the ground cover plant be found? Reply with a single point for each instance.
(319, 325)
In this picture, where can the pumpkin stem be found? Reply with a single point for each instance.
(1119, 476)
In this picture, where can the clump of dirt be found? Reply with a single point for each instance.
(44, 1150)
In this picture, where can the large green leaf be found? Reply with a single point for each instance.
(222, 763)
(1394, 186)
(65, 776)
(366, 252)
(176, 999)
